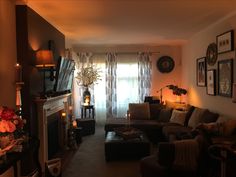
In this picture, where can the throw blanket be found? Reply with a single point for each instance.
(186, 154)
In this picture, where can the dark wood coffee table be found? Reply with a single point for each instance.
(117, 148)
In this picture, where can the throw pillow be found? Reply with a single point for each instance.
(155, 110)
(139, 111)
(209, 116)
(165, 115)
(229, 127)
(196, 117)
(222, 119)
(178, 117)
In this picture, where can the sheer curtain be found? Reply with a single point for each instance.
(127, 82)
(144, 75)
(100, 89)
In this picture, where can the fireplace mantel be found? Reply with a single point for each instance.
(45, 108)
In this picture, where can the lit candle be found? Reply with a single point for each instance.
(18, 72)
(74, 123)
(63, 115)
(70, 109)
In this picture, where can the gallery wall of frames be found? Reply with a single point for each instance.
(217, 75)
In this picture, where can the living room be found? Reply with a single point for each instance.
(185, 50)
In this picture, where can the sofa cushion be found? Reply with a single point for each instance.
(196, 117)
(190, 110)
(139, 111)
(155, 110)
(178, 117)
(165, 115)
(209, 116)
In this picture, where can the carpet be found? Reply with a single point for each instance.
(89, 160)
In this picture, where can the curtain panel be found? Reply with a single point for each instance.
(111, 94)
(144, 75)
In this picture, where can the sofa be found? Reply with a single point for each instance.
(160, 122)
(173, 124)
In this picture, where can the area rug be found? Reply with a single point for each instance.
(89, 160)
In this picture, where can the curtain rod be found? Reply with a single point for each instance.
(120, 52)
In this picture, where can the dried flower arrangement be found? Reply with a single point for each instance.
(88, 76)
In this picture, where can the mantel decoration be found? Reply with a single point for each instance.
(86, 77)
(11, 129)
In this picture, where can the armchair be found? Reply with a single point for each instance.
(176, 159)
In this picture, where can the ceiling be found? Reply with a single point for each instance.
(152, 22)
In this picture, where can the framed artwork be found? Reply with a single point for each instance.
(225, 77)
(211, 82)
(225, 42)
(201, 72)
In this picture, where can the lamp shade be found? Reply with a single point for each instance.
(44, 58)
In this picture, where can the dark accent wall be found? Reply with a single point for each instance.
(34, 33)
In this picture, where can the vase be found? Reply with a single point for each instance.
(86, 96)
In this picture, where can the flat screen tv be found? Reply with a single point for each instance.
(64, 75)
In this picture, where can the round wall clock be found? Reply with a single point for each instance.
(165, 64)
(211, 54)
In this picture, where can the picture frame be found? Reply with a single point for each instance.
(201, 72)
(225, 42)
(211, 82)
(225, 77)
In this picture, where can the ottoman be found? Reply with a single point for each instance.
(87, 125)
(116, 148)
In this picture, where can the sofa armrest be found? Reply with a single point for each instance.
(166, 154)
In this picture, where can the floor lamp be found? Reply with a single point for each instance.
(44, 60)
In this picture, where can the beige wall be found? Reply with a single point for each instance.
(7, 52)
(159, 79)
(196, 48)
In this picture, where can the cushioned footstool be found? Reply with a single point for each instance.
(116, 148)
(87, 125)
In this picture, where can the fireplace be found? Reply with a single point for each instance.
(53, 135)
(51, 127)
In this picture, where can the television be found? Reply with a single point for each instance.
(64, 75)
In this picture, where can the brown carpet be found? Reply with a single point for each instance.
(89, 160)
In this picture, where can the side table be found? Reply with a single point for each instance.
(90, 109)
(223, 149)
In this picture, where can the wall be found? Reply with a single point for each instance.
(33, 33)
(7, 52)
(196, 48)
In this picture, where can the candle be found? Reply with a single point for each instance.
(63, 114)
(70, 109)
(18, 72)
(74, 123)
